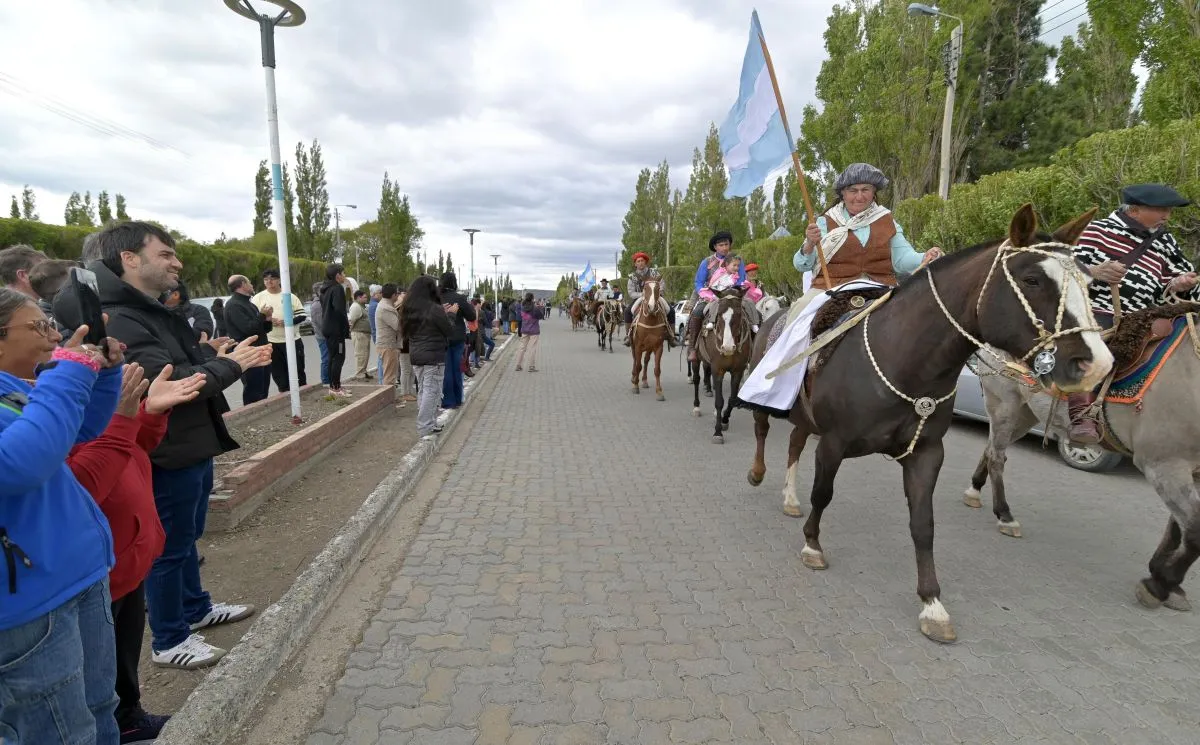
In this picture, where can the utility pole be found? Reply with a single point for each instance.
(471, 232)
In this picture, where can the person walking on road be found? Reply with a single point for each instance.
(336, 326)
(426, 323)
(531, 331)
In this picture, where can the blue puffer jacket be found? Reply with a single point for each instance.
(54, 540)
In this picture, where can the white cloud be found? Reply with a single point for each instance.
(526, 118)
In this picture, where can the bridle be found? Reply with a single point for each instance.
(644, 312)
(1043, 349)
(740, 313)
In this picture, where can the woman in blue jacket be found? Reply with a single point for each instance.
(57, 658)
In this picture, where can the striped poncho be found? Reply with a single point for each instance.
(1145, 283)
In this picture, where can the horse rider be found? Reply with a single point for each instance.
(860, 240)
(603, 292)
(752, 275)
(642, 271)
(720, 245)
(1134, 249)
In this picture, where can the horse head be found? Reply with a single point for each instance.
(1033, 303)
(650, 296)
(732, 328)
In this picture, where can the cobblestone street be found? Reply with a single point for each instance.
(596, 571)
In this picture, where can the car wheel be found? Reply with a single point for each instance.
(1090, 458)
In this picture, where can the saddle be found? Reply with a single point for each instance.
(838, 308)
(1135, 339)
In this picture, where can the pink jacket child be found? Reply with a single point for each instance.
(726, 276)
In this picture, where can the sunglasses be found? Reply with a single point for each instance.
(41, 326)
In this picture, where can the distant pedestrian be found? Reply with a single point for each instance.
(531, 331)
(336, 327)
(316, 317)
(426, 324)
(387, 334)
(452, 385)
(361, 331)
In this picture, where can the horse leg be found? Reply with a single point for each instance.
(829, 456)
(735, 382)
(971, 497)
(758, 469)
(718, 404)
(920, 477)
(637, 368)
(708, 380)
(658, 354)
(695, 372)
(796, 442)
(1180, 544)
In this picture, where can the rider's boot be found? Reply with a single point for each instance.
(693, 332)
(671, 342)
(1083, 425)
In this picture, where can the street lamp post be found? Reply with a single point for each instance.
(956, 37)
(337, 237)
(290, 15)
(496, 284)
(471, 232)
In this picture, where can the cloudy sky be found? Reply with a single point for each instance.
(528, 119)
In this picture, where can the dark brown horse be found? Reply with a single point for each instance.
(723, 349)
(888, 385)
(576, 311)
(649, 329)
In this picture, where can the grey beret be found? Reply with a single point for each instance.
(861, 173)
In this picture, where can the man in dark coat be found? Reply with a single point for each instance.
(452, 381)
(137, 266)
(243, 320)
(335, 324)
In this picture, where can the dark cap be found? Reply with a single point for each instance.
(724, 235)
(1152, 195)
(274, 273)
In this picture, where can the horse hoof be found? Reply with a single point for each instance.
(813, 559)
(1012, 529)
(793, 511)
(753, 481)
(645, 385)
(696, 411)
(935, 623)
(971, 498)
(637, 390)
(661, 397)
(1145, 597)
(708, 393)
(718, 440)
(1177, 600)
(725, 426)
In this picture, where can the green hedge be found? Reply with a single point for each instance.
(205, 268)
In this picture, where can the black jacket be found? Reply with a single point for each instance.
(198, 318)
(428, 338)
(243, 319)
(335, 314)
(466, 312)
(156, 337)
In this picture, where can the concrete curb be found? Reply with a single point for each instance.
(220, 704)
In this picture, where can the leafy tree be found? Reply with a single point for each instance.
(388, 245)
(89, 209)
(758, 213)
(289, 202)
(15, 210)
(28, 204)
(304, 203)
(104, 208)
(76, 211)
(121, 213)
(262, 198)
(319, 194)
(645, 224)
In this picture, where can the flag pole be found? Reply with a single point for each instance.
(762, 41)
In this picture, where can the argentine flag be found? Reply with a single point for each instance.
(753, 138)
(588, 278)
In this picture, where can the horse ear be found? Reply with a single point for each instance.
(1023, 227)
(1070, 232)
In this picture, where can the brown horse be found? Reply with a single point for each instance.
(724, 349)
(576, 311)
(1156, 421)
(649, 331)
(888, 384)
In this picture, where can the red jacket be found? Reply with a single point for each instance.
(115, 469)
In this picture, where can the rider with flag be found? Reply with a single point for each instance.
(642, 271)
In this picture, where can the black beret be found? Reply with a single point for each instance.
(1152, 195)
(723, 235)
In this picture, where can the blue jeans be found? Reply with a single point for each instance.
(452, 380)
(58, 675)
(324, 349)
(488, 343)
(379, 368)
(173, 590)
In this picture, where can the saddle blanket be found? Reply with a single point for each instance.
(779, 394)
(1129, 389)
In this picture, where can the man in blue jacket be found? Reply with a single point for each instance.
(721, 246)
(137, 265)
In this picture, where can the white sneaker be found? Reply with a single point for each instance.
(223, 613)
(190, 654)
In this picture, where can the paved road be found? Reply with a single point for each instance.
(595, 571)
